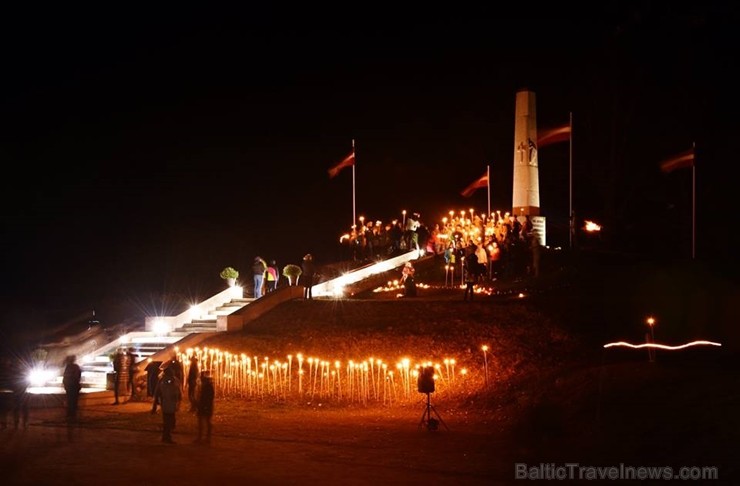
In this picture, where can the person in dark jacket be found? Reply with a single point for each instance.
(205, 408)
(168, 394)
(152, 376)
(72, 385)
(308, 272)
(258, 269)
(119, 360)
(132, 369)
(193, 383)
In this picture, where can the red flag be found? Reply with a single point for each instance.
(554, 135)
(347, 162)
(482, 181)
(679, 161)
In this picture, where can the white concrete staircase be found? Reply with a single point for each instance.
(97, 366)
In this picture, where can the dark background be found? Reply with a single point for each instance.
(144, 149)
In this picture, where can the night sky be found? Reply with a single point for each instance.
(145, 149)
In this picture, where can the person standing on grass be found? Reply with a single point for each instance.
(205, 408)
(168, 394)
(471, 269)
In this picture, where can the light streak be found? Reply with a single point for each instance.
(662, 346)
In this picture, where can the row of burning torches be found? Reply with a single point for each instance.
(370, 380)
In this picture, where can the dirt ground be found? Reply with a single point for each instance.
(615, 412)
(252, 443)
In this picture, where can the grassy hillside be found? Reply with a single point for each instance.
(546, 382)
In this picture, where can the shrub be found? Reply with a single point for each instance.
(292, 272)
(229, 272)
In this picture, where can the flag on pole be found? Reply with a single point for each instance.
(554, 135)
(678, 161)
(347, 162)
(482, 181)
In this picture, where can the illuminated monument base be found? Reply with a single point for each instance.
(526, 190)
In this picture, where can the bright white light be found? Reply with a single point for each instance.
(160, 328)
(40, 376)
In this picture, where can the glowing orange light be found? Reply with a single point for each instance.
(591, 227)
(662, 346)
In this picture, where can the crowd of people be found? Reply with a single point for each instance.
(486, 246)
(169, 389)
(483, 247)
(168, 395)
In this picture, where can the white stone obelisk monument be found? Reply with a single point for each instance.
(526, 192)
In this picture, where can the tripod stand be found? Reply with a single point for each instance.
(427, 420)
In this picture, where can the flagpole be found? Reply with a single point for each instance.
(693, 202)
(571, 225)
(354, 207)
(488, 180)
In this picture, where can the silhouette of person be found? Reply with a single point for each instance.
(118, 366)
(471, 269)
(176, 366)
(131, 364)
(152, 376)
(308, 271)
(193, 383)
(168, 395)
(72, 386)
(205, 408)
